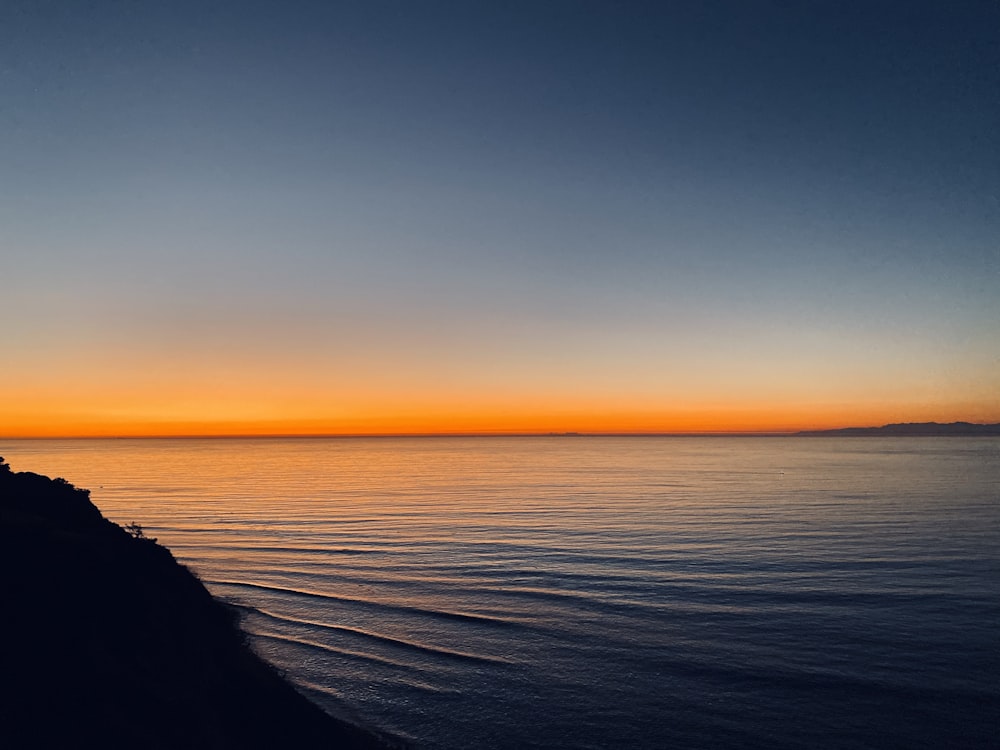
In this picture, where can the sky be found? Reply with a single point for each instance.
(415, 217)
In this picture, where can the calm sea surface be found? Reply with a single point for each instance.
(594, 592)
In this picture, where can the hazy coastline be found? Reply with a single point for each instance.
(911, 429)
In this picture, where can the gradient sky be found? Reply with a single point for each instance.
(239, 217)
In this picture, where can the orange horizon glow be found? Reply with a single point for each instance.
(343, 236)
(734, 421)
(112, 397)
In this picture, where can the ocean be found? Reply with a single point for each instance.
(593, 592)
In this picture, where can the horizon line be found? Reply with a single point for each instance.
(475, 434)
(330, 435)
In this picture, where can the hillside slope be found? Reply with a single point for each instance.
(109, 642)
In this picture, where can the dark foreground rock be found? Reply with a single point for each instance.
(108, 642)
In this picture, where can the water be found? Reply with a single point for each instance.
(594, 592)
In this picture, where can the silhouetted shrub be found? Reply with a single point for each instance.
(136, 532)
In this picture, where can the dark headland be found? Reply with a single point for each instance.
(911, 429)
(109, 642)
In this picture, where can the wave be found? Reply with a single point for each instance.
(345, 653)
(256, 548)
(384, 639)
(420, 648)
(436, 613)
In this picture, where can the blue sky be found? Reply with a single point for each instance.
(606, 206)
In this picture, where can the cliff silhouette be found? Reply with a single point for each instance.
(109, 642)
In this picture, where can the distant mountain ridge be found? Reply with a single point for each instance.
(910, 429)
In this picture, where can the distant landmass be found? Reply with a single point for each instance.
(110, 643)
(911, 429)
